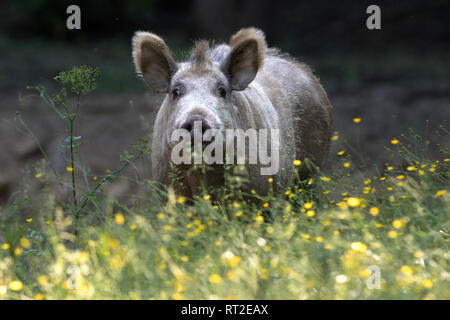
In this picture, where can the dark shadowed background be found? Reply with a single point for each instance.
(395, 78)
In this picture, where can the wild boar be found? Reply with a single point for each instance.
(240, 85)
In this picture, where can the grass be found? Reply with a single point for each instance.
(344, 234)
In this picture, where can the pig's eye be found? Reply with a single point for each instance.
(176, 93)
(222, 92)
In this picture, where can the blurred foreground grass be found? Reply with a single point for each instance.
(327, 239)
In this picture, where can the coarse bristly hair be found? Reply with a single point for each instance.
(201, 54)
(205, 52)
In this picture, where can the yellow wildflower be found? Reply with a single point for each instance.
(160, 215)
(398, 223)
(427, 283)
(119, 218)
(342, 205)
(353, 202)
(358, 246)
(191, 234)
(215, 278)
(16, 285)
(38, 296)
(308, 205)
(406, 270)
(392, 234)
(42, 280)
(374, 211)
(264, 274)
(234, 261)
(25, 243)
(177, 296)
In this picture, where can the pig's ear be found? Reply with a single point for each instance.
(153, 60)
(246, 57)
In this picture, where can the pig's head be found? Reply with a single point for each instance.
(200, 88)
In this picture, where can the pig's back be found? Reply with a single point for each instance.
(302, 103)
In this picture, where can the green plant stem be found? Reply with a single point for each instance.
(98, 185)
(72, 163)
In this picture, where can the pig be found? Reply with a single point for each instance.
(240, 85)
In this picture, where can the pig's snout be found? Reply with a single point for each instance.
(196, 125)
